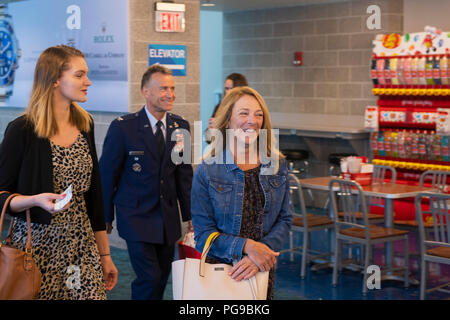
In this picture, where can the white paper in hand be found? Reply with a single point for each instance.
(61, 203)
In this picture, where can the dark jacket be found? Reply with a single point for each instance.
(144, 189)
(26, 168)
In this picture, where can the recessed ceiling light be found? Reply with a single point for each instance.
(207, 4)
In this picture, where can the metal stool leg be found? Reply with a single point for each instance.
(305, 253)
(406, 262)
(291, 245)
(423, 278)
(366, 265)
(336, 264)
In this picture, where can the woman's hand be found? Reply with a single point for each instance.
(47, 201)
(190, 227)
(264, 257)
(244, 269)
(109, 272)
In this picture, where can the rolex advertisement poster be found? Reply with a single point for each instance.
(98, 28)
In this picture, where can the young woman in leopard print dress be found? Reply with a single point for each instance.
(48, 149)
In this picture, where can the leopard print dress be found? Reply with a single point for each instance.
(65, 251)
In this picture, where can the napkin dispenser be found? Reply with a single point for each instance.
(357, 169)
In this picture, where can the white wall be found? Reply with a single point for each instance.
(211, 81)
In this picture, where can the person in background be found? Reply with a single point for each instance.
(246, 201)
(44, 151)
(233, 80)
(145, 186)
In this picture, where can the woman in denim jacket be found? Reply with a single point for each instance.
(241, 189)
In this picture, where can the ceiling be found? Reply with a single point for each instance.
(242, 5)
(8, 1)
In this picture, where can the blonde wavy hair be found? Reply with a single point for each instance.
(51, 64)
(223, 116)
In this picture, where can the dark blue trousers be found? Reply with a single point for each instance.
(152, 264)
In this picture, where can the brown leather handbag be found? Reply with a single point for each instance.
(20, 278)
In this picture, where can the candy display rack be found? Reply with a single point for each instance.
(411, 123)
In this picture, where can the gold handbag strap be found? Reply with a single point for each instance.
(213, 236)
(5, 206)
(205, 251)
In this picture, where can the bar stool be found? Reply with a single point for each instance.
(297, 161)
(439, 182)
(298, 164)
(334, 160)
(434, 246)
(306, 222)
(349, 228)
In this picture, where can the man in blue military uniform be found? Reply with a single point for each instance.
(145, 186)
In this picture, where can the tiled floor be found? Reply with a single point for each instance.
(317, 284)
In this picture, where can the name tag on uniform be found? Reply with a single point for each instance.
(136, 153)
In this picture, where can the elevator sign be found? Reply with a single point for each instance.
(170, 56)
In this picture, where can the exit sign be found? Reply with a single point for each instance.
(169, 21)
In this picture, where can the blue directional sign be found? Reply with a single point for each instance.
(170, 56)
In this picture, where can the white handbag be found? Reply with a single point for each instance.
(194, 279)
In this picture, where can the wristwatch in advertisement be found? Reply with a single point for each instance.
(9, 53)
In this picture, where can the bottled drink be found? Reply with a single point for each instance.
(380, 71)
(415, 145)
(408, 143)
(422, 145)
(436, 71)
(444, 69)
(373, 71)
(400, 70)
(421, 70)
(407, 70)
(448, 70)
(401, 138)
(445, 151)
(436, 147)
(387, 143)
(393, 66)
(429, 145)
(394, 144)
(429, 71)
(381, 150)
(387, 72)
(414, 68)
(374, 143)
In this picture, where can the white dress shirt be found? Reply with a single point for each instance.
(153, 122)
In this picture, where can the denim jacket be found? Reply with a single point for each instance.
(217, 197)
